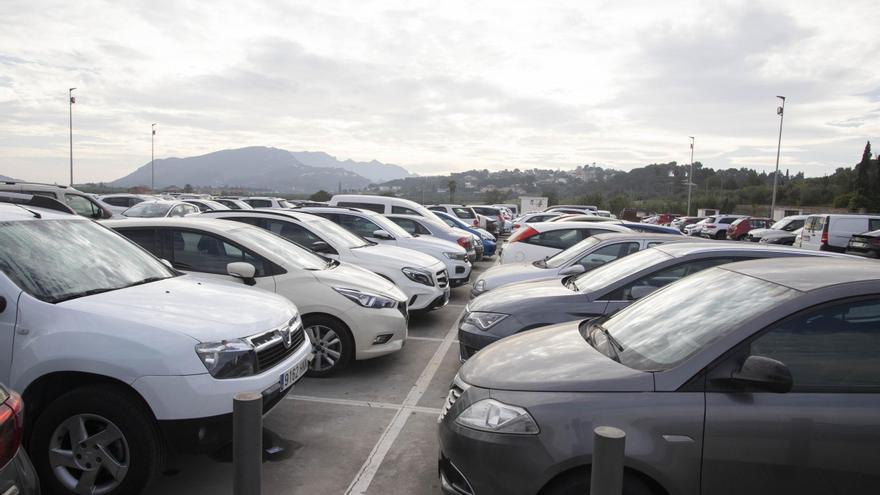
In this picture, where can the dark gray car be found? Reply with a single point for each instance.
(772, 386)
(522, 306)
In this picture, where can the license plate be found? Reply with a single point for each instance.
(858, 244)
(289, 377)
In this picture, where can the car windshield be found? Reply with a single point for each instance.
(57, 260)
(337, 235)
(389, 226)
(664, 329)
(618, 269)
(289, 250)
(148, 209)
(574, 252)
(284, 204)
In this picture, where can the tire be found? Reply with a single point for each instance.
(126, 441)
(578, 483)
(332, 342)
(721, 234)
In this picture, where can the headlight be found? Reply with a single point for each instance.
(483, 321)
(497, 417)
(418, 276)
(367, 299)
(456, 256)
(228, 359)
(480, 286)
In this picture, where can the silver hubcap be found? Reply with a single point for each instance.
(327, 346)
(89, 454)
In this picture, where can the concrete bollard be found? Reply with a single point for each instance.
(606, 475)
(247, 443)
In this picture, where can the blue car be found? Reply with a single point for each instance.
(488, 239)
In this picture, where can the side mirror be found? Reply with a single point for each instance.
(321, 247)
(381, 234)
(764, 373)
(575, 269)
(244, 271)
(640, 291)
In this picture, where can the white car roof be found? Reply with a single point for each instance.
(548, 226)
(11, 213)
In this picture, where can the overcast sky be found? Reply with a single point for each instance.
(438, 86)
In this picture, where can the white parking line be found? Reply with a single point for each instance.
(364, 403)
(368, 470)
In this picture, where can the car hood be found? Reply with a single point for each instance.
(510, 273)
(203, 310)
(516, 297)
(387, 254)
(348, 276)
(428, 243)
(551, 359)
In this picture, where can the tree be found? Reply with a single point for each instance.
(452, 185)
(188, 188)
(321, 195)
(862, 197)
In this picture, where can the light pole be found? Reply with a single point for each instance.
(152, 158)
(781, 112)
(71, 101)
(690, 176)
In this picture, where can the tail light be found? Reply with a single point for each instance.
(824, 239)
(464, 242)
(523, 234)
(11, 422)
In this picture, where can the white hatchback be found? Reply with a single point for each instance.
(537, 241)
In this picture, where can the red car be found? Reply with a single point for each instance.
(740, 228)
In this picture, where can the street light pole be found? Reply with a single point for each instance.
(691, 176)
(781, 112)
(152, 158)
(71, 100)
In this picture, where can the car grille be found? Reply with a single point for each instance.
(453, 395)
(442, 279)
(271, 349)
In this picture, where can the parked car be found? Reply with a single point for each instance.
(234, 203)
(781, 237)
(161, 208)
(740, 228)
(385, 205)
(533, 218)
(681, 222)
(206, 204)
(348, 313)
(832, 232)
(418, 225)
(584, 209)
(17, 475)
(537, 241)
(266, 202)
(328, 239)
(461, 212)
(579, 217)
(80, 202)
(522, 306)
(716, 227)
(486, 239)
(867, 244)
(730, 400)
(584, 256)
(514, 209)
(785, 225)
(376, 228)
(117, 203)
(504, 225)
(120, 357)
(696, 228)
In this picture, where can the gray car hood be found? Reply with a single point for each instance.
(499, 275)
(551, 359)
(510, 297)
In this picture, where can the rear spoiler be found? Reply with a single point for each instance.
(35, 200)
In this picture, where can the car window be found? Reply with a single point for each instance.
(436, 208)
(557, 239)
(47, 194)
(201, 206)
(465, 213)
(873, 223)
(206, 253)
(668, 275)
(191, 209)
(607, 254)
(292, 232)
(81, 205)
(358, 225)
(408, 225)
(378, 208)
(831, 349)
(145, 238)
(654, 243)
(402, 210)
(117, 201)
(258, 203)
(447, 221)
(178, 211)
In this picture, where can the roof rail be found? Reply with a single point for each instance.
(20, 182)
(35, 200)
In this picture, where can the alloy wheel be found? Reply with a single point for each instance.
(89, 454)
(327, 346)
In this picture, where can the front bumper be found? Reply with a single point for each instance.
(368, 323)
(459, 272)
(469, 342)
(18, 476)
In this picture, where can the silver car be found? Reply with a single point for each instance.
(418, 225)
(584, 256)
(771, 387)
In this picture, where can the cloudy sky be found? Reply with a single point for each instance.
(438, 86)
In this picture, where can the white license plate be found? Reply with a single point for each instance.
(290, 376)
(859, 244)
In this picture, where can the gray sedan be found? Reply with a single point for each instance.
(772, 387)
(518, 307)
(584, 256)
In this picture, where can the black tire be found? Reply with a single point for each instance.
(319, 367)
(578, 483)
(145, 453)
(721, 234)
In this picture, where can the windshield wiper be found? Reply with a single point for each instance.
(611, 338)
(144, 281)
(75, 295)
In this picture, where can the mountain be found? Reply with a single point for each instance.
(253, 168)
(374, 170)
(6, 177)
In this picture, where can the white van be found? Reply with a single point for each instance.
(832, 232)
(381, 204)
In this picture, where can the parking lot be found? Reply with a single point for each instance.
(370, 429)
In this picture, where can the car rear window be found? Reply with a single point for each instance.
(378, 208)
(463, 213)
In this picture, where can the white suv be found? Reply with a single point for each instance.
(119, 357)
(716, 227)
(348, 312)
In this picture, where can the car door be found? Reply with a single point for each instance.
(9, 294)
(821, 437)
(812, 232)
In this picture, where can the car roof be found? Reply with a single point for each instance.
(586, 225)
(681, 249)
(10, 212)
(298, 215)
(638, 236)
(198, 222)
(805, 274)
(34, 185)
